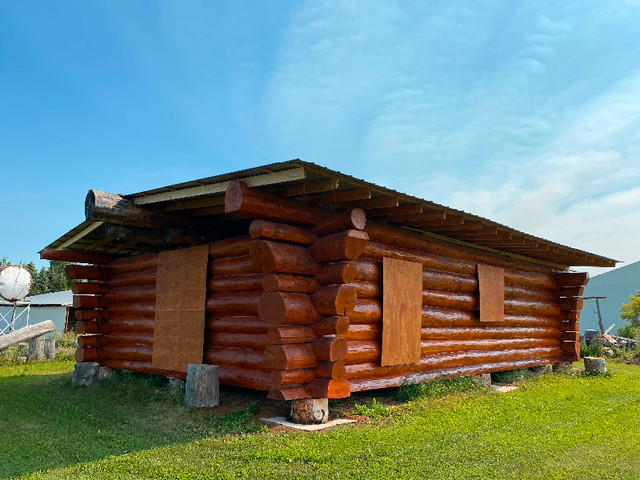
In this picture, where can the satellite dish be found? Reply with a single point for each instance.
(15, 283)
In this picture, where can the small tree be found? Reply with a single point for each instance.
(630, 312)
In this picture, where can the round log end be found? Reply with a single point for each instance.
(262, 257)
(358, 218)
(355, 244)
(233, 196)
(271, 307)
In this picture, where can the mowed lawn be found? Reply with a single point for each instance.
(557, 426)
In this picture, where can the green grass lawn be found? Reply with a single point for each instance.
(553, 427)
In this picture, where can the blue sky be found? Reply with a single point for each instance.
(527, 113)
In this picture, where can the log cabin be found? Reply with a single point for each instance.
(305, 283)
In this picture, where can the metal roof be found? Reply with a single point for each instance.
(330, 189)
(64, 298)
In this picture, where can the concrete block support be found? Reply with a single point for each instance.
(202, 388)
(85, 374)
(483, 379)
(595, 365)
(563, 367)
(310, 411)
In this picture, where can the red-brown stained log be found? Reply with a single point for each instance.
(449, 360)
(127, 338)
(440, 317)
(231, 247)
(570, 316)
(460, 301)
(330, 348)
(250, 325)
(235, 357)
(254, 341)
(83, 272)
(570, 326)
(280, 335)
(449, 282)
(520, 291)
(262, 229)
(130, 265)
(330, 370)
(430, 261)
(532, 307)
(334, 273)
(85, 341)
(366, 311)
(570, 348)
(368, 270)
(288, 377)
(488, 332)
(242, 200)
(147, 277)
(89, 301)
(235, 283)
(352, 220)
(289, 283)
(364, 332)
(366, 289)
(90, 314)
(530, 279)
(87, 327)
(576, 291)
(290, 357)
(232, 266)
(124, 310)
(128, 352)
(245, 378)
(572, 303)
(87, 355)
(128, 325)
(347, 245)
(331, 326)
(233, 303)
(572, 279)
(570, 336)
(288, 394)
(75, 256)
(279, 308)
(143, 367)
(272, 257)
(87, 288)
(358, 385)
(133, 294)
(325, 388)
(334, 300)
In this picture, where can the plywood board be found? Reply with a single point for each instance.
(491, 292)
(401, 312)
(181, 297)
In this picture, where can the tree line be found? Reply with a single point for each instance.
(46, 280)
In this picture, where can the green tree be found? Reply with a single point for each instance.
(630, 313)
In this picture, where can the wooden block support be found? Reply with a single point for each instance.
(310, 411)
(595, 365)
(85, 374)
(36, 349)
(50, 348)
(203, 386)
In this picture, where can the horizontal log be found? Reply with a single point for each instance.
(347, 245)
(232, 266)
(570, 326)
(244, 377)
(262, 229)
(86, 327)
(87, 354)
(570, 336)
(366, 289)
(75, 256)
(144, 338)
(248, 202)
(147, 277)
(451, 360)
(231, 247)
(289, 283)
(272, 257)
(88, 288)
(288, 377)
(290, 357)
(84, 272)
(336, 273)
(460, 301)
(26, 333)
(330, 348)
(334, 300)
(329, 388)
(89, 301)
(254, 341)
(572, 279)
(531, 307)
(434, 262)
(522, 292)
(93, 314)
(130, 324)
(367, 311)
(368, 270)
(289, 393)
(576, 291)
(132, 294)
(570, 348)
(280, 335)
(458, 333)
(448, 281)
(539, 280)
(123, 310)
(235, 283)
(158, 237)
(233, 304)
(570, 316)
(130, 265)
(354, 219)
(440, 317)
(248, 324)
(142, 367)
(127, 352)
(235, 357)
(279, 308)
(334, 325)
(571, 303)
(358, 385)
(330, 370)
(364, 332)
(85, 341)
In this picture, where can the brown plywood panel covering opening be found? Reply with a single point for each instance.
(181, 297)
(491, 292)
(401, 312)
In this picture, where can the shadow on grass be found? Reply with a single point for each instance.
(45, 423)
